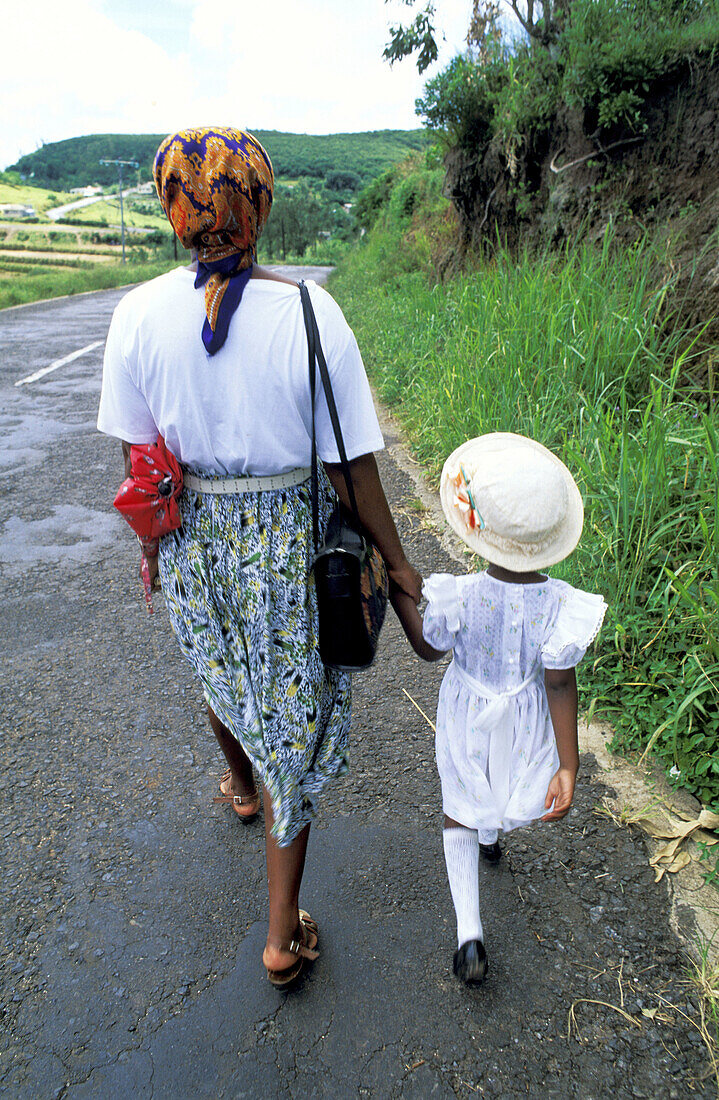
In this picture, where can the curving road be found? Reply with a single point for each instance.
(56, 212)
(133, 909)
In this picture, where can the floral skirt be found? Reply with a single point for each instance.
(242, 603)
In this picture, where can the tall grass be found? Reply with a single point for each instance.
(575, 350)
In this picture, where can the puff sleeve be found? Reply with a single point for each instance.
(442, 616)
(577, 623)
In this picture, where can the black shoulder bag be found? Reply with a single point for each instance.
(350, 574)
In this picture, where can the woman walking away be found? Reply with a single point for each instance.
(214, 358)
(507, 715)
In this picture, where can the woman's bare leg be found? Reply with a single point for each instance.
(242, 781)
(284, 878)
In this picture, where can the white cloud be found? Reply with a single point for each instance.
(313, 66)
(73, 71)
(316, 66)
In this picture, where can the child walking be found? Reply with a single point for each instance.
(506, 742)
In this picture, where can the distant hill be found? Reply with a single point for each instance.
(75, 162)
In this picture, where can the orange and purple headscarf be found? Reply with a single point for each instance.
(215, 186)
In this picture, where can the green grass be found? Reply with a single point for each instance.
(575, 350)
(39, 197)
(26, 264)
(109, 214)
(52, 284)
(38, 240)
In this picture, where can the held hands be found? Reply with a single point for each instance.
(407, 579)
(560, 792)
(411, 620)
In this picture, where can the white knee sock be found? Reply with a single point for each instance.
(487, 836)
(461, 853)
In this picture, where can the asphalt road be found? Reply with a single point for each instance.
(133, 909)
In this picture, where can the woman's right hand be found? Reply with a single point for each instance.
(152, 564)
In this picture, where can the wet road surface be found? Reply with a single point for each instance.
(133, 909)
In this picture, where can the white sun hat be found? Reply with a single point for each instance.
(512, 501)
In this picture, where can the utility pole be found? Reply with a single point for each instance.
(120, 163)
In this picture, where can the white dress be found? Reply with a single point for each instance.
(496, 751)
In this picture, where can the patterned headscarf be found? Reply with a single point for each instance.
(216, 188)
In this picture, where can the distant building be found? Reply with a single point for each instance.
(17, 210)
(87, 192)
(146, 188)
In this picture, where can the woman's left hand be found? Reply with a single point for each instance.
(377, 519)
(560, 792)
(408, 580)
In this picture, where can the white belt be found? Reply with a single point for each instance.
(245, 484)
(497, 719)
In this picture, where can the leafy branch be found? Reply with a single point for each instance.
(540, 19)
(419, 37)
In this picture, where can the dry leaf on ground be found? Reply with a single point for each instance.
(678, 829)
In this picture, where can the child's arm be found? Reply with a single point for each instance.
(561, 685)
(408, 614)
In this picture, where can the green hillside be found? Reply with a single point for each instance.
(75, 162)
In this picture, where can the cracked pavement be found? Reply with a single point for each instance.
(133, 909)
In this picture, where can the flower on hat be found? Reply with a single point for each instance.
(465, 502)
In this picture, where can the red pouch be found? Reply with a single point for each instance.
(148, 498)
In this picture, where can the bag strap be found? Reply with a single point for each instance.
(309, 329)
(316, 355)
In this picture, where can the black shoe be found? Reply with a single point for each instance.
(470, 962)
(491, 852)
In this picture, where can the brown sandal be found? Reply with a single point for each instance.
(305, 950)
(238, 800)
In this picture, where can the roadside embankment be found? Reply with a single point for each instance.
(567, 348)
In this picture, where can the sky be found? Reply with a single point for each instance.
(155, 66)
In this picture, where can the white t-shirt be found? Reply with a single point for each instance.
(246, 409)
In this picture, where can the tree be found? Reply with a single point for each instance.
(295, 220)
(540, 19)
(342, 180)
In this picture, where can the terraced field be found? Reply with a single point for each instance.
(42, 258)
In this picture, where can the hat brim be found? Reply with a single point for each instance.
(511, 554)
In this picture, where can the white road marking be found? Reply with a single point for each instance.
(59, 363)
